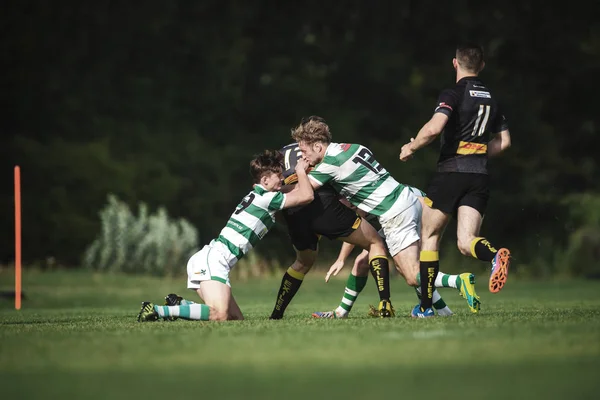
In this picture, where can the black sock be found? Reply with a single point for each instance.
(482, 249)
(429, 267)
(380, 270)
(290, 283)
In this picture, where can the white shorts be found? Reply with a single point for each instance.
(403, 230)
(207, 265)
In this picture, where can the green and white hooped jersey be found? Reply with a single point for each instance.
(249, 223)
(354, 173)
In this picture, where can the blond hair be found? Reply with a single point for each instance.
(312, 130)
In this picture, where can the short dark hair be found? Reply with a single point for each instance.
(269, 161)
(470, 56)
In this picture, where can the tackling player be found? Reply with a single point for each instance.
(353, 172)
(326, 216)
(208, 269)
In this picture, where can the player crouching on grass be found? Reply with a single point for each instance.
(208, 270)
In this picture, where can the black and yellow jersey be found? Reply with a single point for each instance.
(291, 154)
(474, 115)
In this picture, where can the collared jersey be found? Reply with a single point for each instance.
(249, 223)
(473, 116)
(353, 172)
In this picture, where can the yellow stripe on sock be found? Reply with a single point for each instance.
(295, 274)
(428, 255)
(473, 243)
(376, 257)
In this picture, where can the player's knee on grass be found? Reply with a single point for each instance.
(217, 296)
(218, 314)
(235, 314)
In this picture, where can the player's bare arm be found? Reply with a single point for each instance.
(303, 192)
(338, 265)
(426, 135)
(499, 143)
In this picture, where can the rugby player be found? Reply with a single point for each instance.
(208, 269)
(472, 128)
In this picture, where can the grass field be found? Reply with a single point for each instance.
(76, 337)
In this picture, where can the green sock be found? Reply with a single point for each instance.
(444, 280)
(354, 286)
(198, 312)
(438, 303)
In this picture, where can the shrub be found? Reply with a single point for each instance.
(142, 243)
(583, 250)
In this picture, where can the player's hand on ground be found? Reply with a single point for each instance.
(301, 165)
(334, 269)
(406, 151)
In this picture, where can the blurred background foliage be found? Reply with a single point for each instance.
(166, 102)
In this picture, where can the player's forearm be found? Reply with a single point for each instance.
(305, 189)
(498, 145)
(425, 136)
(345, 251)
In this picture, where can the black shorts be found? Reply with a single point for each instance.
(325, 216)
(449, 190)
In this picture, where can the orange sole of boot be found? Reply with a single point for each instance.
(498, 278)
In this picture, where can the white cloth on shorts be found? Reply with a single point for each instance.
(207, 264)
(403, 230)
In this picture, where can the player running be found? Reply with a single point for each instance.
(473, 129)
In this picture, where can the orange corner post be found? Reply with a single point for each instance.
(17, 238)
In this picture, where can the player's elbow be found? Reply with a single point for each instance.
(309, 197)
(432, 132)
(302, 198)
(505, 141)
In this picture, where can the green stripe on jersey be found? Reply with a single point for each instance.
(277, 201)
(416, 191)
(357, 175)
(261, 214)
(243, 230)
(342, 157)
(321, 177)
(259, 189)
(368, 190)
(389, 201)
(233, 249)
